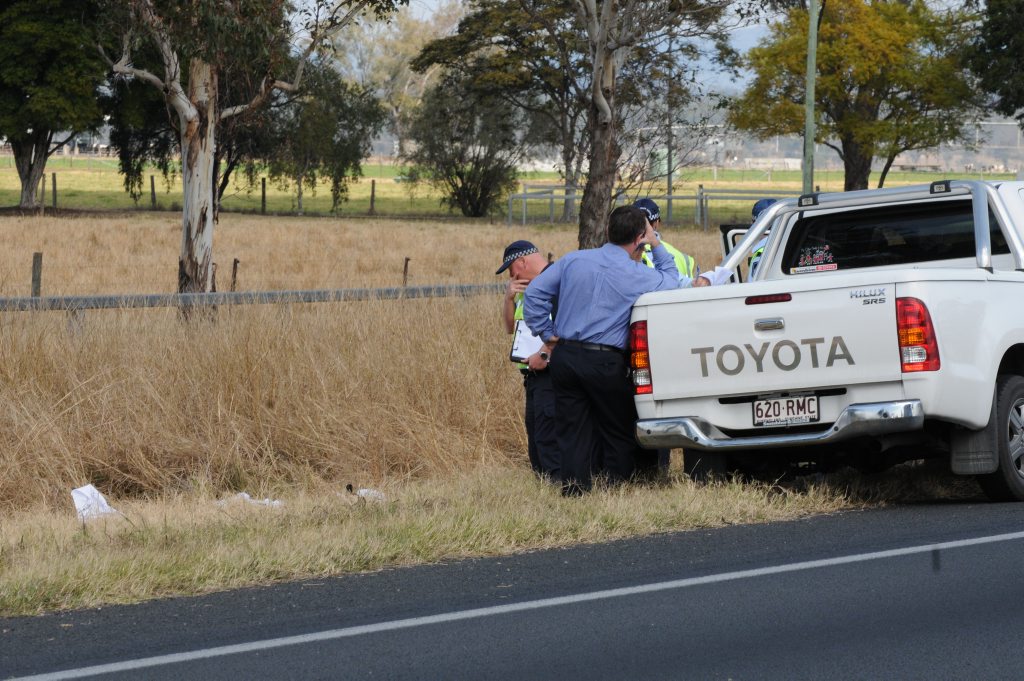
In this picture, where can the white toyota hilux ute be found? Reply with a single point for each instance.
(881, 326)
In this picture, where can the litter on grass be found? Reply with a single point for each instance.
(245, 498)
(366, 493)
(90, 504)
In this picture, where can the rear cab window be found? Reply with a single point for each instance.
(885, 235)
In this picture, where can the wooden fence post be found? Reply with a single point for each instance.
(263, 196)
(405, 272)
(37, 274)
(53, 184)
(373, 196)
(234, 273)
(152, 192)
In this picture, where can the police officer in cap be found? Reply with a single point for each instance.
(687, 266)
(524, 262)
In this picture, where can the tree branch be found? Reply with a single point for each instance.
(123, 64)
(320, 30)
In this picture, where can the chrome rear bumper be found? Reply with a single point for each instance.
(875, 418)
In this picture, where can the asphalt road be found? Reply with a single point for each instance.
(930, 591)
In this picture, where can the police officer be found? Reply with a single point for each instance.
(524, 262)
(755, 255)
(687, 266)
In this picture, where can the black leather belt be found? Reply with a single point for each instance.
(591, 346)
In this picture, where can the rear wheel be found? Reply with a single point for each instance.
(1007, 483)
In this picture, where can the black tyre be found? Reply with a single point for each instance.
(1007, 483)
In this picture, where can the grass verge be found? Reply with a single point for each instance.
(191, 544)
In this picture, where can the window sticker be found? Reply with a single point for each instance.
(816, 258)
(813, 268)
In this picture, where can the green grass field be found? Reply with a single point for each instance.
(93, 183)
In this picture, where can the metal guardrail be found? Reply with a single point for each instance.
(77, 303)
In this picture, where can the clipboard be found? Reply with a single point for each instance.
(524, 343)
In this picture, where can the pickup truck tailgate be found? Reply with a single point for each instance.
(771, 339)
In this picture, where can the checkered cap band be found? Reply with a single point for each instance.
(517, 254)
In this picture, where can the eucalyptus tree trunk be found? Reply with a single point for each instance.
(597, 196)
(604, 157)
(198, 127)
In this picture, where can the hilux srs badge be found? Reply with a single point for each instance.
(869, 296)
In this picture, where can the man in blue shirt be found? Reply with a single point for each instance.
(586, 344)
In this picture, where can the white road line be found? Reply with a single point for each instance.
(161, 660)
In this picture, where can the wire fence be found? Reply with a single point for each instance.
(189, 300)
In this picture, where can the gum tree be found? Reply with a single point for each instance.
(615, 31)
(585, 68)
(325, 134)
(378, 56)
(193, 46)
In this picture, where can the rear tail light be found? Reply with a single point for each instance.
(919, 349)
(640, 359)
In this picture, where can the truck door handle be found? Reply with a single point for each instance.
(774, 324)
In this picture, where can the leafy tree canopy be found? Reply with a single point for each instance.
(325, 133)
(213, 61)
(533, 57)
(49, 80)
(996, 55)
(891, 78)
(50, 69)
(468, 144)
(377, 56)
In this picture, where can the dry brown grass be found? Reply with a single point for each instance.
(266, 397)
(138, 252)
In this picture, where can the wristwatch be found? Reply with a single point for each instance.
(544, 355)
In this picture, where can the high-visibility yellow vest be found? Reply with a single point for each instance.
(686, 265)
(755, 257)
(517, 316)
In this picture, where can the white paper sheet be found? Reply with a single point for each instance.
(524, 343)
(89, 503)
